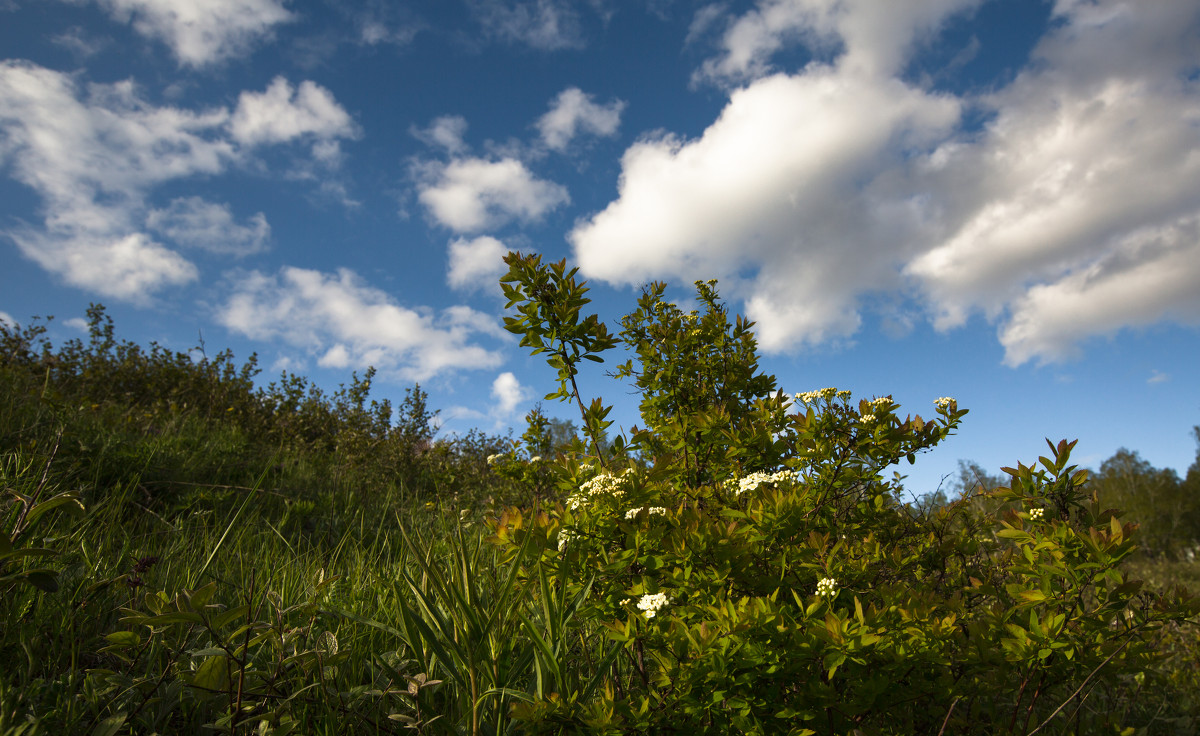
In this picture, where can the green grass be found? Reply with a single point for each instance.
(319, 575)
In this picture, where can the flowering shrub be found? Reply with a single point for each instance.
(785, 586)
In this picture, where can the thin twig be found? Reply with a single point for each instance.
(946, 720)
(27, 505)
(1079, 689)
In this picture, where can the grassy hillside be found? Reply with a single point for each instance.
(181, 552)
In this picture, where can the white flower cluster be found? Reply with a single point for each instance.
(827, 587)
(754, 480)
(535, 458)
(881, 403)
(603, 484)
(866, 419)
(1036, 514)
(944, 402)
(565, 537)
(493, 458)
(809, 397)
(652, 511)
(651, 602)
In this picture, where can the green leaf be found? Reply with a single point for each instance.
(124, 638)
(46, 580)
(177, 617)
(70, 497)
(1015, 534)
(110, 726)
(212, 675)
(234, 614)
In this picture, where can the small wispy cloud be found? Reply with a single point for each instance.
(343, 322)
(472, 194)
(573, 112)
(96, 153)
(547, 25)
(475, 264)
(201, 34)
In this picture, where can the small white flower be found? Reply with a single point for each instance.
(754, 480)
(1036, 514)
(602, 484)
(866, 419)
(944, 402)
(827, 587)
(652, 602)
(652, 511)
(809, 397)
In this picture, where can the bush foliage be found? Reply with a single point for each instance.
(761, 575)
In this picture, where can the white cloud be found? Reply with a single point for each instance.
(473, 194)
(776, 183)
(195, 223)
(1148, 275)
(475, 264)
(78, 42)
(572, 112)
(91, 160)
(1083, 193)
(385, 22)
(129, 267)
(444, 132)
(508, 393)
(374, 32)
(875, 36)
(283, 113)
(1072, 213)
(548, 25)
(347, 323)
(202, 32)
(93, 154)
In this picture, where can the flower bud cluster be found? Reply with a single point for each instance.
(652, 602)
(809, 397)
(604, 484)
(754, 480)
(827, 587)
(652, 511)
(866, 419)
(944, 402)
(1036, 514)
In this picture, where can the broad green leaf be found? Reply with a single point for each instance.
(212, 674)
(124, 638)
(110, 726)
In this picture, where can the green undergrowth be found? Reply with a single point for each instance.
(183, 550)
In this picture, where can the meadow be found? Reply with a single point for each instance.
(183, 550)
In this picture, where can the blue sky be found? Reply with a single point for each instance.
(997, 201)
